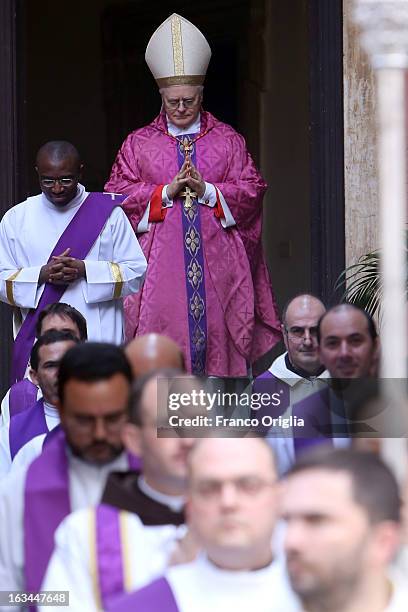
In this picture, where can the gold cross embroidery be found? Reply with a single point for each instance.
(189, 195)
(186, 146)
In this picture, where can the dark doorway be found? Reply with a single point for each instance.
(130, 93)
(76, 71)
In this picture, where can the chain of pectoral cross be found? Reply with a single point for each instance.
(186, 146)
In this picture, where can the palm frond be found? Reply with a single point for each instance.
(361, 283)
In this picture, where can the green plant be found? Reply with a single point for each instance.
(361, 283)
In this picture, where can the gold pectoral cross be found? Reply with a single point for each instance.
(189, 196)
(187, 147)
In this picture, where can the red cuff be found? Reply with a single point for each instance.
(218, 212)
(157, 212)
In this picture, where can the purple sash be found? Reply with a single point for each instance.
(268, 383)
(25, 426)
(155, 597)
(23, 395)
(315, 411)
(108, 553)
(46, 504)
(79, 235)
(195, 282)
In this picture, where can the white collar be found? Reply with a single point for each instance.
(191, 129)
(280, 370)
(228, 574)
(50, 410)
(79, 198)
(174, 502)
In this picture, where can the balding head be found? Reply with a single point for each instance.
(300, 318)
(57, 151)
(232, 500)
(153, 352)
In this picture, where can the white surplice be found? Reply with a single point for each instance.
(201, 586)
(86, 484)
(28, 234)
(72, 567)
(51, 418)
(27, 453)
(299, 388)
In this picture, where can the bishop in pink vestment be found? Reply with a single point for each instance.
(240, 310)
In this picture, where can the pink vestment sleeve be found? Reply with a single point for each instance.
(243, 189)
(126, 178)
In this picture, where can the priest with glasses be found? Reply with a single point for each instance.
(67, 245)
(195, 202)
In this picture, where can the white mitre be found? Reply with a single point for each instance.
(178, 53)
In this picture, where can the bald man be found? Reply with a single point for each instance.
(231, 508)
(153, 352)
(294, 375)
(68, 245)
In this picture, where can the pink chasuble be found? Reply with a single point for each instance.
(241, 315)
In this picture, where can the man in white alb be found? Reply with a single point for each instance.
(69, 245)
(93, 388)
(231, 508)
(43, 416)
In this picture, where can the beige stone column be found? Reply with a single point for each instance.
(384, 35)
(360, 155)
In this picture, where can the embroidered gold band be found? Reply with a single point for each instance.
(9, 287)
(124, 538)
(118, 278)
(177, 43)
(182, 79)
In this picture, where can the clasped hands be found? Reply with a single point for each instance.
(187, 176)
(62, 270)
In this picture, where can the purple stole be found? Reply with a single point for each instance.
(79, 235)
(23, 395)
(270, 384)
(155, 597)
(46, 504)
(194, 270)
(109, 561)
(315, 410)
(26, 425)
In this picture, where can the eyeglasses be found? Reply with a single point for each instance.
(298, 333)
(246, 486)
(186, 102)
(64, 181)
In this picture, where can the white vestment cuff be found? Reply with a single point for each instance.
(229, 220)
(144, 224)
(210, 196)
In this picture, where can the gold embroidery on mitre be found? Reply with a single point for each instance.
(177, 43)
(118, 279)
(9, 287)
(181, 79)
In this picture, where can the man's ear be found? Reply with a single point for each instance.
(132, 439)
(34, 377)
(284, 336)
(81, 169)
